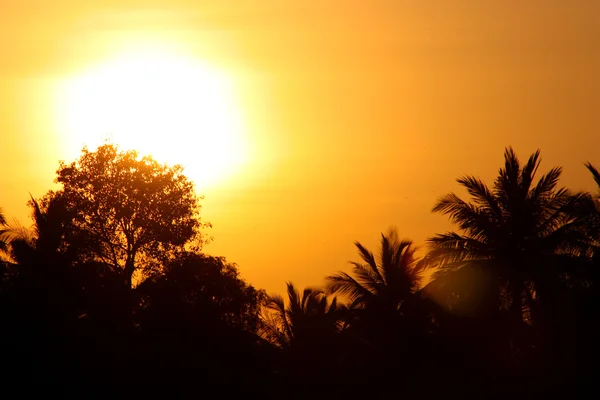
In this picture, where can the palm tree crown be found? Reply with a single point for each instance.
(383, 283)
(310, 315)
(518, 229)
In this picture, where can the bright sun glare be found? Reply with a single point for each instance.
(159, 102)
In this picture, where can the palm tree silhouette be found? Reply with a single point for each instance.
(308, 317)
(388, 318)
(523, 236)
(307, 331)
(10, 235)
(385, 283)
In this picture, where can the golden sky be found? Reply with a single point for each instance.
(358, 114)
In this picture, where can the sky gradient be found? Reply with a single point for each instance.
(360, 114)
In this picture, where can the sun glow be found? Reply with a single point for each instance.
(159, 102)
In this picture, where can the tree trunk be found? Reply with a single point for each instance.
(129, 270)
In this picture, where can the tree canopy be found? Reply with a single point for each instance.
(125, 210)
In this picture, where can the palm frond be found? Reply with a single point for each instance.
(512, 167)
(11, 233)
(595, 173)
(368, 257)
(563, 208)
(470, 218)
(295, 302)
(275, 302)
(529, 170)
(452, 240)
(270, 329)
(345, 285)
(507, 187)
(452, 247)
(280, 314)
(547, 184)
(386, 259)
(365, 277)
(481, 195)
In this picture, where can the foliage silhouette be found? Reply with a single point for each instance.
(389, 318)
(204, 287)
(513, 304)
(384, 285)
(522, 234)
(307, 316)
(200, 318)
(307, 331)
(521, 251)
(129, 212)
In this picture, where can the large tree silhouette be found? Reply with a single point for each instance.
(128, 212)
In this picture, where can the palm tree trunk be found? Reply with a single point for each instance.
(516, 304)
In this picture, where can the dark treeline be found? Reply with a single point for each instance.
(110, 286)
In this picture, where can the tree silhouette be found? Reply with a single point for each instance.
(513, 301)
(384, 283)
(389, 318)
(127, 212)
(521, 246)
(201, 287)
(45, 239)
(307, 331)
(307, 316)
(9, 233)
(199, 318)
(517, 230)
(44, 299)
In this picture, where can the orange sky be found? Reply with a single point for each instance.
(360, 113)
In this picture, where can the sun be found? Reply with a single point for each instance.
(160, 102)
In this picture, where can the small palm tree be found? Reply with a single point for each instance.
(308, 331)
(382, 283)
(44, 239)
(309, 317)
(10, 234)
